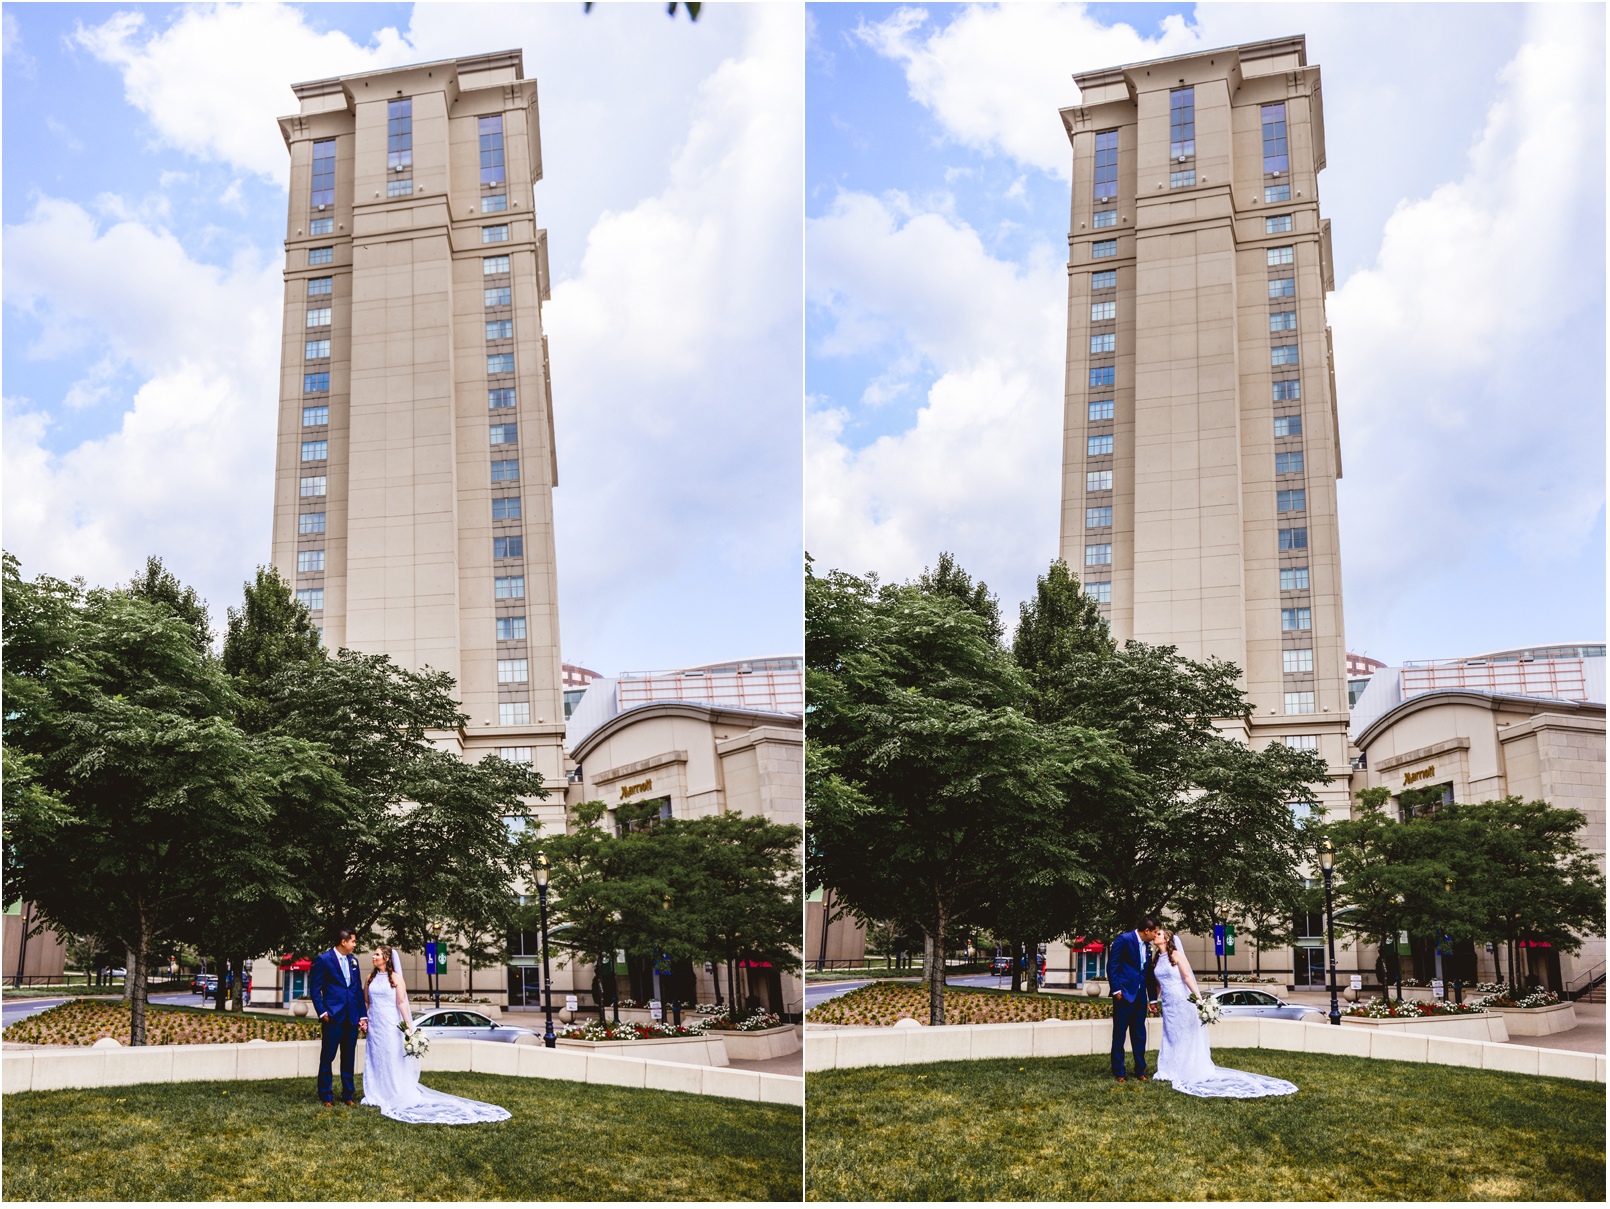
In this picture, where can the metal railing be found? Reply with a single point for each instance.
(1589, 980)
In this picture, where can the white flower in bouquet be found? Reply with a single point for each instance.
(415, 1043)
(1208, 1010)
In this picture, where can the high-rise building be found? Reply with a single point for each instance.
(413, 493)
(1200, 439)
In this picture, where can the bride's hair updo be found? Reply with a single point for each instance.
(385, 964)
(1168, 947)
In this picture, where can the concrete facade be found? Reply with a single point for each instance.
(415, 461)
(1200, 428)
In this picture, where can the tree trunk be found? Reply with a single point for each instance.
(135, 980)
(220, 990)
(732, 987)
(239, 988)
(933, 950)
(1015, 948)
(128, 974)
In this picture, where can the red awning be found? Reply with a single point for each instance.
(1087, 946)
(286, 963)
(754, 965)
(1536, 944)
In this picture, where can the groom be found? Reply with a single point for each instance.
(337, 994)
(1127, 968)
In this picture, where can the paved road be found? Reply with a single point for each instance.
(14, 1010)
(821, 992)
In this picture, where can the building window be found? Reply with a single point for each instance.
(1104, 247)
(319, 316)
(313, 598)
(312, 383)
(1291, 501)
(317, 350)
(493, 202)
(1103, 310)
(1101, 409)
(1181, 122)
(1288, 426)
(508, 587)
(320, 255)
(1104, 343)
(1274, 138)
(1182, 180)
(1098, 446)
(514, 713)
(1283, 354)
(1098, 480)
(315, 451)
(1098, 518)
(498, 297)
(1106, 164)
(491, 130)
(506, 547)
(1101, 593)
(515, 755)
(319, 285)
(1283, 287)
(1293, 579)
(313, 485)
(1294, 539)
(1283, 321)
(1106, 218)
(1288, 463)
(505, 434)
(310, 560)
(1276, 193)
(323, 173)
(1299, 703)
(511, 629)
(506, 509)
(1277, 224)
(399, 134)
(500, 398)
(315, 417)
(500, 363)
(1102, 375)
(1297, 661)
(310, 522)
(511, 671)
(1107, 280)
(1301, 743)
(493, 264)
(1287, 389)
(399, 188)
(495, 235)
(500, 329)
(1279, 256)
(321, 226)
(1296, 619)
(1098, 555)
(505, 470)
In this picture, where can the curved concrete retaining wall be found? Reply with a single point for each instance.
(705, 1051)
(760, 1044)
(49, 1069)
(833, 1049)
(1485, 1026)
(1538, 1022)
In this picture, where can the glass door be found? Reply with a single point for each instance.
(1310, 968)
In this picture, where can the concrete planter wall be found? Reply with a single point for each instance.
(1538, 1022)
(47, 1070)
(1484, 1026)
(705, 1051)
(832, 1049)
(761, 1044)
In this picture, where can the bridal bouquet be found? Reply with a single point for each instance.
(415, 1043)
(1208, 1010)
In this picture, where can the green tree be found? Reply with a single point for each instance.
(948, 579)
(160, 586)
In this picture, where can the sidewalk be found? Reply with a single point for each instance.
(1588, 1037)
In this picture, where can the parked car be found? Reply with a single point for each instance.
(470, 1026)
(1236, 1002)
(1001, 965)
(204, 984)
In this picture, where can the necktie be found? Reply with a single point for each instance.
(346, 975)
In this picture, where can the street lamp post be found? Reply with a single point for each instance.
(1458, 989)
(1397, 956)
(436, 939)
(676, 1003)
(543, 869)
(614, 977)
(1224, 926)
(1327, 861)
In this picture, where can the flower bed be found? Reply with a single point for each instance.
(1515, 997)
(84, 1022)
(628, 1030)
(882, 1004)
(754, 1023)
(1388, 1009)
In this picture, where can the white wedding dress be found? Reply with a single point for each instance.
(1185, 1059)
(391, 1077)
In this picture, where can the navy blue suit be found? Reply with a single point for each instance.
(1127, 966)
(342, 999)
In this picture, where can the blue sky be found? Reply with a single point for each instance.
(144, 204)
(1469, 335)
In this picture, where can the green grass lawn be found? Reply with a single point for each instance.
(271, 1141)
(1060, 1129)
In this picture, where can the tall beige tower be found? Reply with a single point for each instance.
(415, 472)
(1201, 450)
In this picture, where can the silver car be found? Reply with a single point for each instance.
(1240, 1002)
(470, 1026)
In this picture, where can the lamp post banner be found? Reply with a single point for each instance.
(1218, 940)
(430, 957)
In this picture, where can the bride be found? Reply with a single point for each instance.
(1185, 1059)
(390, 1076)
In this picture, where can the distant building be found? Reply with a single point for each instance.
(576, 680)
(1359, 670)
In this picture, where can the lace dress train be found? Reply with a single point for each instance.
(391, 1077)
(1186, 1059)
